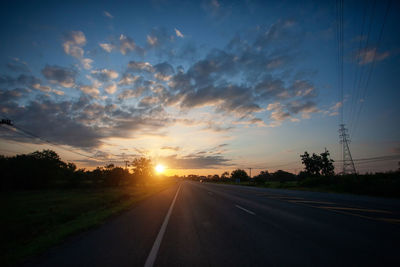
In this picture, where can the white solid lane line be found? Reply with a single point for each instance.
(246, 210)
(154, 250)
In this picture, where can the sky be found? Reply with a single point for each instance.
(201, 87)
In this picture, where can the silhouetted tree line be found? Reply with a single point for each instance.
(319, 173)
(240, 175)
(45, 169)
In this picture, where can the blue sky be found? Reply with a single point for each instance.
(201, 87)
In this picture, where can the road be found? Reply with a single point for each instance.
(203, 224)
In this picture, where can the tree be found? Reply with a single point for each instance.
(327, 168)
(283, 176)
(225, 175)
(240, 174)
(262, 177)
(142, 168)
(317, 165)
(215, 177)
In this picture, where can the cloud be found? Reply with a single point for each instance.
(302, 88)
(104, 75)
(196, 161)
(108, 15)
(278, 33)
(333, 110)
(305, 108)
(178, 33)
(111, 89)
(87, 63)
(22, 79)
(60, 75)
(47, 89)
(369, 55)
(163, 71)
(73, 42)
(277, 114)
(152, 40)
(90, 90)
(107, 47)
(216, 127)
(56, 122)
(246, 80)
(175, 148)
(126, 44)
(130, 93)
(140, 66)
(16, 65)
(243, 78)
(8, 97)
(128, 79)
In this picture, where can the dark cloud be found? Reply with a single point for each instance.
(163, 71)
(83, 123)
(247, 76)
(60, 75)
(55, 122)
(196, 161)
(297, 107)
(18, 66)
(8, 96)
(22, 79)
(132, 93)
(138, 66)
(127, 45)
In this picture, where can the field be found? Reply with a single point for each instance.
(35, 220)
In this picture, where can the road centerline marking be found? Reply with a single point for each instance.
(156, 246)
(246, 210)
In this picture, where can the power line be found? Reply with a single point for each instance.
(386, 157)
(29, 134)
(361, 78)
(32, 135)
(357, 57)
(373, 64)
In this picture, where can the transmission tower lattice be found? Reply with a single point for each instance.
(348, 164)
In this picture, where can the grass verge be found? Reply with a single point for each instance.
(359, 185)
(33, 221)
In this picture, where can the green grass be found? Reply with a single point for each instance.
(32, 221)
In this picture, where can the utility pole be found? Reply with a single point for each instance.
(126, 164)
(348, 164)
(250, 172)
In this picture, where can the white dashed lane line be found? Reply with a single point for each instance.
(246, 210)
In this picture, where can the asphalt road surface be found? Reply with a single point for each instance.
(202, 224)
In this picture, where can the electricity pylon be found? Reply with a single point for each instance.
(348, 164)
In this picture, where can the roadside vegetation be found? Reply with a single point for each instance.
(44, 200)
(318, 175)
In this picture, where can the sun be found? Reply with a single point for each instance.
(160, 168)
